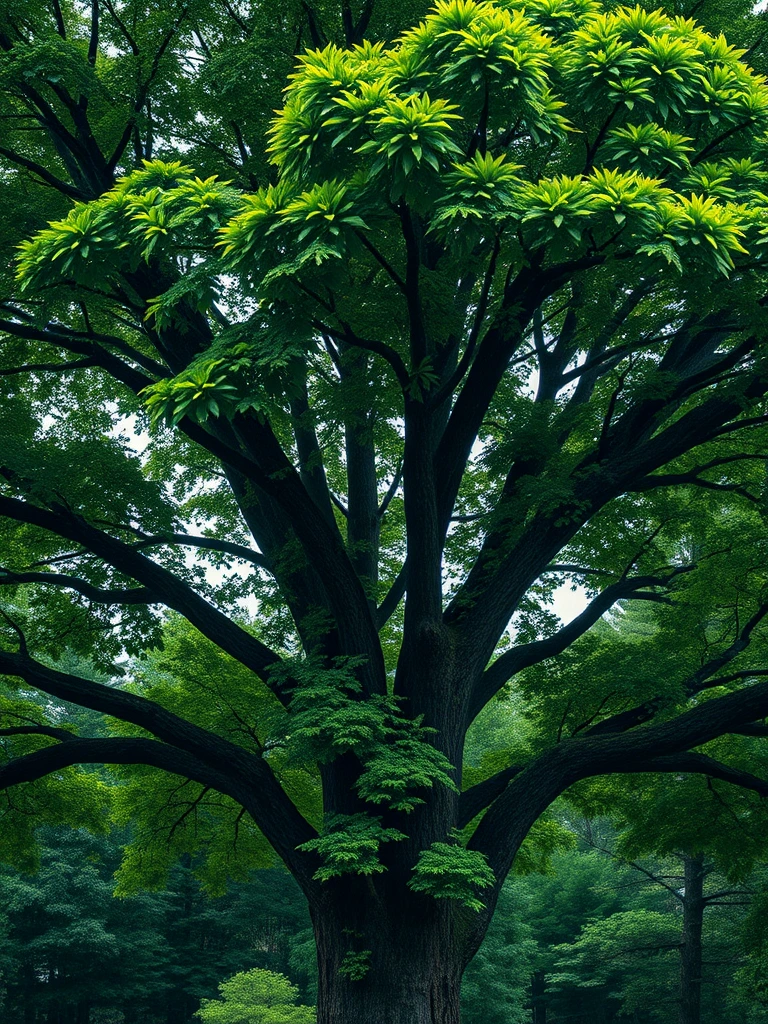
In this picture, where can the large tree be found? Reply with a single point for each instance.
(333, 412)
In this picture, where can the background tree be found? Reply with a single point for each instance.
(72, 954)
(493, 318)
(256, 997)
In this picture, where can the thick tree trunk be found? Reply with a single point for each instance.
(413, 973)
(690, 952)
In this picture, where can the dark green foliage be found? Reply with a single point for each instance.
(69, 942)
(496, 985)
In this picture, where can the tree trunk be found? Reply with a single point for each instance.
(538, 997)
(412, 972)
(690, 952)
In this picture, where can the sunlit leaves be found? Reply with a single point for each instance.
(161, 205)
(349, 844)
(197, 395)
(481, 189)
(451, 871)
(256, 996)
(700, 221)
(322, 212)
(558, 203)
(329, 718)
(409, 134)
(172, 817)
(72, 796)
(451, 119)
(244, 235)
(648, 147)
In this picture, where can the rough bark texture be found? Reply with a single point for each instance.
(690, 952)
(414, 967)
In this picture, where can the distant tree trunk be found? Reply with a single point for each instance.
(413, 974)
(690, 952)
(538, 997)
(28, 994)
(130, 1013)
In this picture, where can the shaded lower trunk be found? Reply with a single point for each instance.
(690, 952)
(384, 971)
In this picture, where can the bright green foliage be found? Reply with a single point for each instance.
(327, 721)
(174, 817)
(642, 942)
(78, 797)
(368, 112)
(349, 844)
(450, 871)
(355, 964)
(164, 204)
(256, 997)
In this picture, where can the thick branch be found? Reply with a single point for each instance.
(489, 596)
(271, 808)
(165, 587)
(392, 598)
(122, 750)
(50, 731)
(531, 791)
(138, 595)
(700, 764)
(478, 797)
(130, 750)
(519, 658)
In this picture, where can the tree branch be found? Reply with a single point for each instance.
(532, 790)
(138, 595)
(165, 587)
(518, 658)
(393, 597)
(378, 348)
(700, 764)
(49, 731)
(212, 543)
(249, 777)
(44, 175)
(475, 799)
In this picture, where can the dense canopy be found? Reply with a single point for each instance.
(307, 415)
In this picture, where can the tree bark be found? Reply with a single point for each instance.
(690, 952)
(414, 966)
(538, 997)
